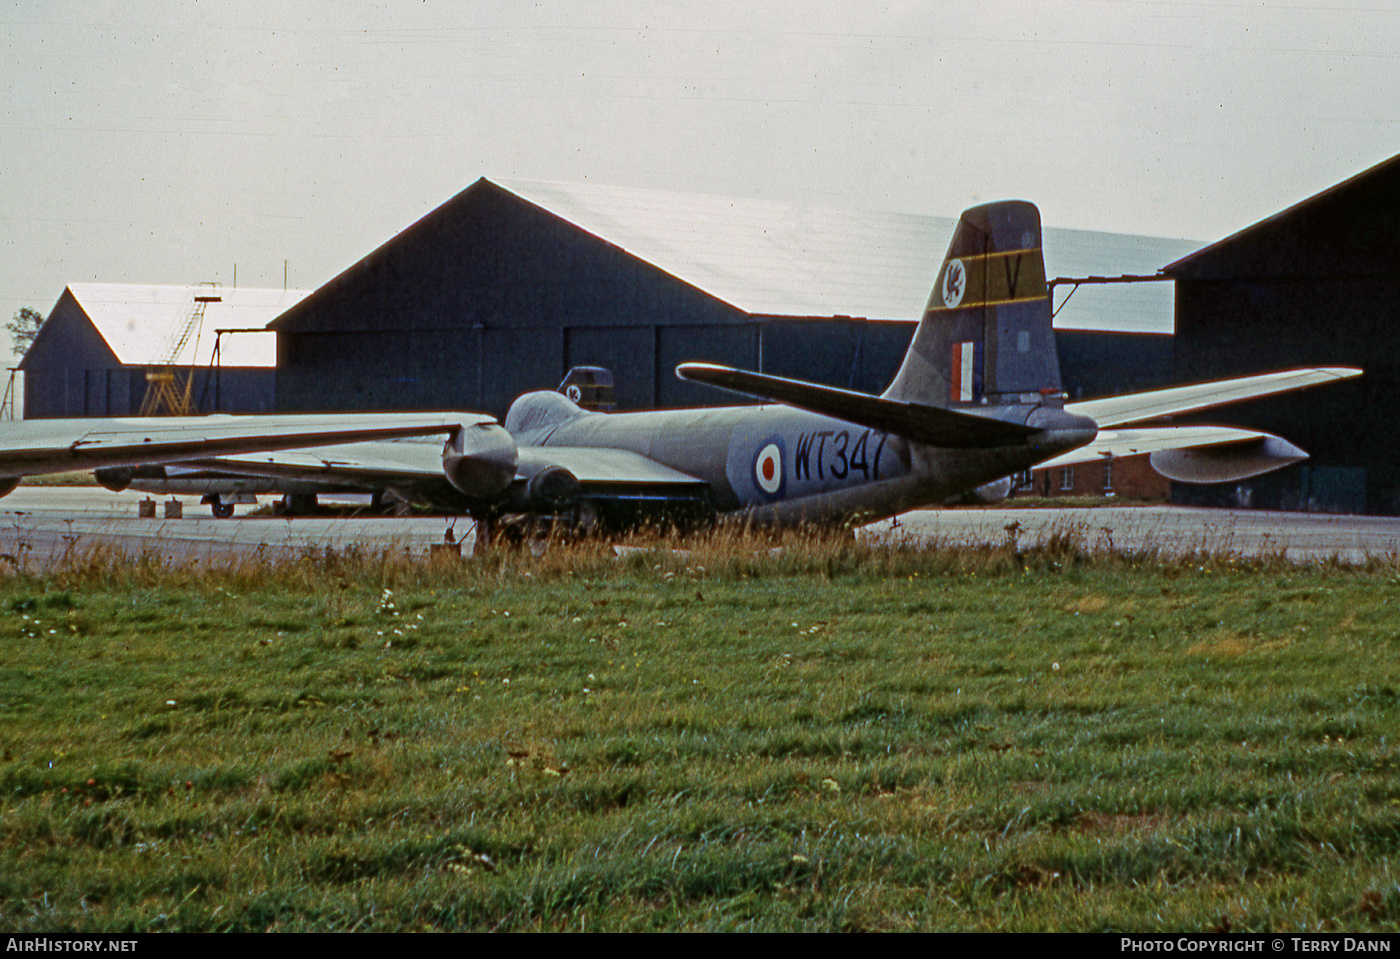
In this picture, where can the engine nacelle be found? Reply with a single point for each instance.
(1227, 462)
(554, 487)
(480, 460)
(988, 494)
(8, 484)
(115, 478)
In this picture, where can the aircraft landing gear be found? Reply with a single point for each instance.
(485, 535)
(535, 533)
(496, 532)
(296, 504)
(221, 510)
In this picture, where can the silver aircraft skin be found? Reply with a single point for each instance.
(978, 397)
(785, 466)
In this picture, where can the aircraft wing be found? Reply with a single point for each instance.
(372, 465)
(29, 447)
(925, 424)
(1191, 454)
(1139, 407)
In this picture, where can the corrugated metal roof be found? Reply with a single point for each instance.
(787, 259)
(143, 323)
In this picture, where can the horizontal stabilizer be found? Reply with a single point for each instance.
(923, 424)
(1140, 407)
(1191, 454)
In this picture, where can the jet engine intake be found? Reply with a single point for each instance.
(118, 478)
(553, 487)
(988, 494)
(115, 478)
(480, 460)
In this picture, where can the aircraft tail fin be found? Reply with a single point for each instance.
(985, 337)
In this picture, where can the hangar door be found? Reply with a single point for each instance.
(730, 344)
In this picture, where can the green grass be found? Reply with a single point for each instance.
(822, 736)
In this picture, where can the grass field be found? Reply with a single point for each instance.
(822, 736)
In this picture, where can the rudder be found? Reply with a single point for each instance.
(986, 335)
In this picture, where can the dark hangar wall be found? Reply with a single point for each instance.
(490, 296)
(853, 354)
(1316, 285)
(1099, 363)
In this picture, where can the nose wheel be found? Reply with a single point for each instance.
(222, 510)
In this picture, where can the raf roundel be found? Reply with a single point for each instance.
(954, 283)
(573, 392)
(768, 469)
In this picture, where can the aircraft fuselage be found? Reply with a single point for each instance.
(777, 464)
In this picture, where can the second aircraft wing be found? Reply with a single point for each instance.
(1154, 404)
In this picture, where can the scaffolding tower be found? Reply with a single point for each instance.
(165, 394)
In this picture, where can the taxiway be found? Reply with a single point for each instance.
(38, 523)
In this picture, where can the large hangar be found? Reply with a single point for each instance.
(1317, 284)
(509, 284)
(95, 348)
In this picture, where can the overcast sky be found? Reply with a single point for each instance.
(163, 141)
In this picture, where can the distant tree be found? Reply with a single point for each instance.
(23, 328)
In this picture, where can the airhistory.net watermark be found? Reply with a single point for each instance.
(53, 944)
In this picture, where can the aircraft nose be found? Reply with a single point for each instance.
(1060, 431)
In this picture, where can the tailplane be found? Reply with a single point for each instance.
(985, 337)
